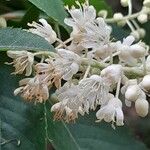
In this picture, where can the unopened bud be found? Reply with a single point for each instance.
(136, 35)
(146, 83)
(137, 51)
(103, 13)
(142, 18)
(142, 32)
(124, 3)
(146, 3)
(142, 107)
(132, 93)
(119, 19)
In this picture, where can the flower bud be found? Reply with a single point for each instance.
(137, 50)
(124, 3)
(103, 13)
(146, 83)
(118, 16)
(142, 18)
(142, 107)
(132, 93)
(136, 35)
(146, 3)
(142, 32)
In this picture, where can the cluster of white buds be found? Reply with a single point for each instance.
(131, 19)
(134, 93)
(89, 47)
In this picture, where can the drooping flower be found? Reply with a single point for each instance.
(97, 34)
(94, 91)
(79, 18)
(33, 90)
(44, 30)
(112, 74)
(22, 61)
(70, 103)
(112, 112)
(130, 53)
(67, 63)
(48, 74)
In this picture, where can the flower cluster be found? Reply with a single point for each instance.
(79, 89)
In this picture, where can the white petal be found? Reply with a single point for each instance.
(119, 117)
(128, 40)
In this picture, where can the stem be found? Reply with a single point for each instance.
(118, 87)
(45, 53)
(87, 72)
(144, 65)
(57, 30)
(9, 141)
(130, 72)
(46, 125)
(61, 42)
(109, 57)
(65, 42)
(130, 25)
(135, 24)
(128, 17)
(13, 15)
(129, 7)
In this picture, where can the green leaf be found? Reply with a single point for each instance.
(25, 122)
(85, 134)
(53, 8)
(19, 121)
(18, 39)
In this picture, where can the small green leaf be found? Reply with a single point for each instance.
(53, 8)
(18, 39)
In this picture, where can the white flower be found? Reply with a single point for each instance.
(97, 34)
(129, 54)
(142, 107)
(70, 103)
(80, 17)
(94, 91)
(33, 90)
(104, 51)
(112, 74)
(44, 30)
(48, 74)
(22, 61)
(112, 112)
(146, 83)
(67, 63)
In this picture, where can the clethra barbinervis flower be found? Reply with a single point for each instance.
(130, 53)
(97, 34)
(22, 61)
(112, 74)
(33, 90)
(67, 63)
(94, 91)
(112, 112)
(44, 30)
(80, 18)
(70, 103)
